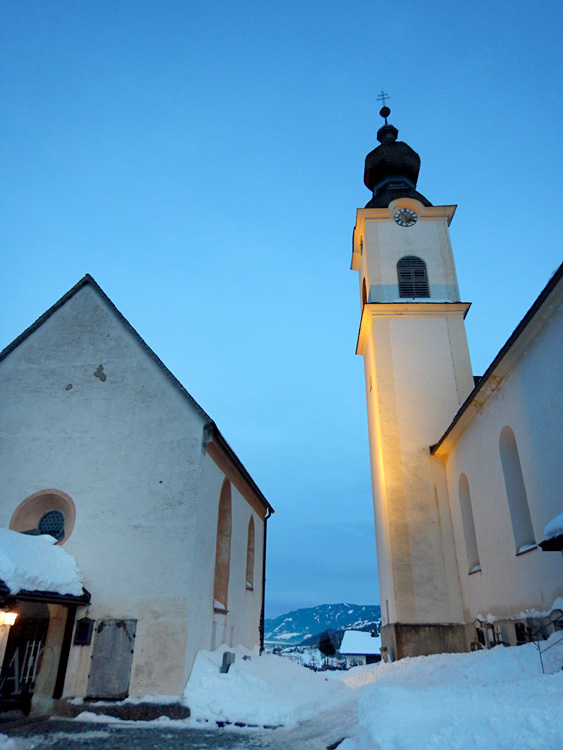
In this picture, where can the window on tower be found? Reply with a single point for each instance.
(413, 278)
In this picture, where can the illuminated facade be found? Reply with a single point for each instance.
(418, 376)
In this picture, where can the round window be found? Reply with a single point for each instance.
(53, 523)
(45, 512)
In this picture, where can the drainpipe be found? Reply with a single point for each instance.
(268, 514)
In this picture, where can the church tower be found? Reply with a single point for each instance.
(418, 373)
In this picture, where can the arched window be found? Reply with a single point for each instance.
(413, 279)
(250, 556)
(468, 522)
(364, 293)
(223, 550)
(516, 492)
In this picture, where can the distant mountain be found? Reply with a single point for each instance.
(301, 624)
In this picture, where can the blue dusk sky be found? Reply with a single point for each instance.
(204, 162)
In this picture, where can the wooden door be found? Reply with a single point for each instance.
(110, 668)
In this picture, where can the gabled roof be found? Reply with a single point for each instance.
(211, 431)
(523, 328)
(87, 280)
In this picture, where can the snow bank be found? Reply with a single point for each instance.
(265, 690)
(6, 743)
(34, 563)
(496, 699)
(554, 527)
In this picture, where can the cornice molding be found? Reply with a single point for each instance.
(390, 310)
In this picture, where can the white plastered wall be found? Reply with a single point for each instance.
(528, 400)
(240, 626)
(417, 367)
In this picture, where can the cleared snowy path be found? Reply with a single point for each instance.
(56, 734)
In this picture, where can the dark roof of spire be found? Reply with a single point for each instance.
(391, 169)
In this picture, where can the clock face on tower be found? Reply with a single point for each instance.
(405, 217)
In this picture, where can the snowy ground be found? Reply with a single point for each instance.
(489, 699)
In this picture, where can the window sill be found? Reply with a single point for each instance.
(526, 548)
(249, 586)
(475, 569)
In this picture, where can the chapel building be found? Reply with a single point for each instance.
(104, 449)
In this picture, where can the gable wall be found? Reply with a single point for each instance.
(128, 452)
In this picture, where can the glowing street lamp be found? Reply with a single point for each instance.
(8, 618)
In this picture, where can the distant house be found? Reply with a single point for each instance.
(103, 449)
(360, 648)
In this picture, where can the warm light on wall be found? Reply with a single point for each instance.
(8, 618)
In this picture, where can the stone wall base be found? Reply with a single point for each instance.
(121, 709)
(412, 639)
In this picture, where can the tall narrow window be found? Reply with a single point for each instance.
(364, 293)
(413, 278)
(223, 550)
(468, 522)
(250, 556)
(516, 492)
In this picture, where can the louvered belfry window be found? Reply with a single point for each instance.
(413, 279)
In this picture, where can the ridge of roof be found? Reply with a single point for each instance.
(210, 426)
(518, 331)
(87, 279)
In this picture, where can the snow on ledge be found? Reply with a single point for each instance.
(34, 563)
(554, 528)
(524, 615)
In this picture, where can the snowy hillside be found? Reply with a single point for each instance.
(299, 625)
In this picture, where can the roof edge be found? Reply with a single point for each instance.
(212, 433)
(51, 597)
(85, 280)
(518, 331)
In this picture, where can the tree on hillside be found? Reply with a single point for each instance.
(326, 646)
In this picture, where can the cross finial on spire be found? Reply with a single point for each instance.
(383, 97)
(384, 111)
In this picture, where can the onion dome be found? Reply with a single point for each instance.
(392, 168)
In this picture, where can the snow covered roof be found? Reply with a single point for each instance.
(360, 642)
(553, 535)
(36, 564)
(554, 528)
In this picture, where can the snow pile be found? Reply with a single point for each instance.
(554, 527)
(264, 690)
(34, 563)
(497, 699)
(6, 743)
